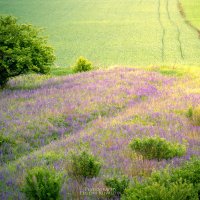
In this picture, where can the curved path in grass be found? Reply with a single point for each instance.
(114, 32)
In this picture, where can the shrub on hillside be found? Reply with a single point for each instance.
(22, 50)
(118, 185)
(189, 112)
(84, 166)
(157, 148)
(176, 191)
(189, 172)
(43, 184)
(194, 115)
(82, 65)
(5, 140)
(176, 184)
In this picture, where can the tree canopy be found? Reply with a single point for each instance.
(22, 49)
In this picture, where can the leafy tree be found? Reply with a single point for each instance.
(22, 50)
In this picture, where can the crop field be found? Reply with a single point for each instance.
(191, 10)
(114, 32)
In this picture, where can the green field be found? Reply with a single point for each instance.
(113, 32)
(191, 10)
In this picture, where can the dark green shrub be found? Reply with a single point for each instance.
(42, 184)
(189, 112)
(189, 172)
(84, 166)
(156, 191)
(22, 50)
(157, 148)
(5, 140)
(82, 65)
(118, 185)
(181, 183)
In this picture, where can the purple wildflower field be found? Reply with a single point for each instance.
(101, 111)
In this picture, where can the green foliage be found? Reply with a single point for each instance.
(119, 185)
(84, 166)
(5, 140)
(50, 157)
(157, 191)
(189, 172)
(189, 112)
(22, 50)
(61, 71)
(82, 65)
(194, 115)
(157, 148)
(176, 184)
(42, 184)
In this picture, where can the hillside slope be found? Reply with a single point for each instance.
(101, 111)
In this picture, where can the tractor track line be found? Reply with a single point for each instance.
(181, 10)
(163, 31)
(177, 28)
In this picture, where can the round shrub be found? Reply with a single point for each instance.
(84, 166)
(42, 183)
(118, 185)
(157, 148)
(22, 50)
(82, 65)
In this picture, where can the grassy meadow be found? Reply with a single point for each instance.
(151, 89)
(112, 32)
(101, 111)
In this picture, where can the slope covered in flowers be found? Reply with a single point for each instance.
(101, 111)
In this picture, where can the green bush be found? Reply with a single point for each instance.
(84, 166)
(82, 65)
(189, 172)
(181, 183)
(5, 140)
(22, 50)
(189, 112)
(42, 184)
(156, 191)
(157, 148)
(118, 185)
